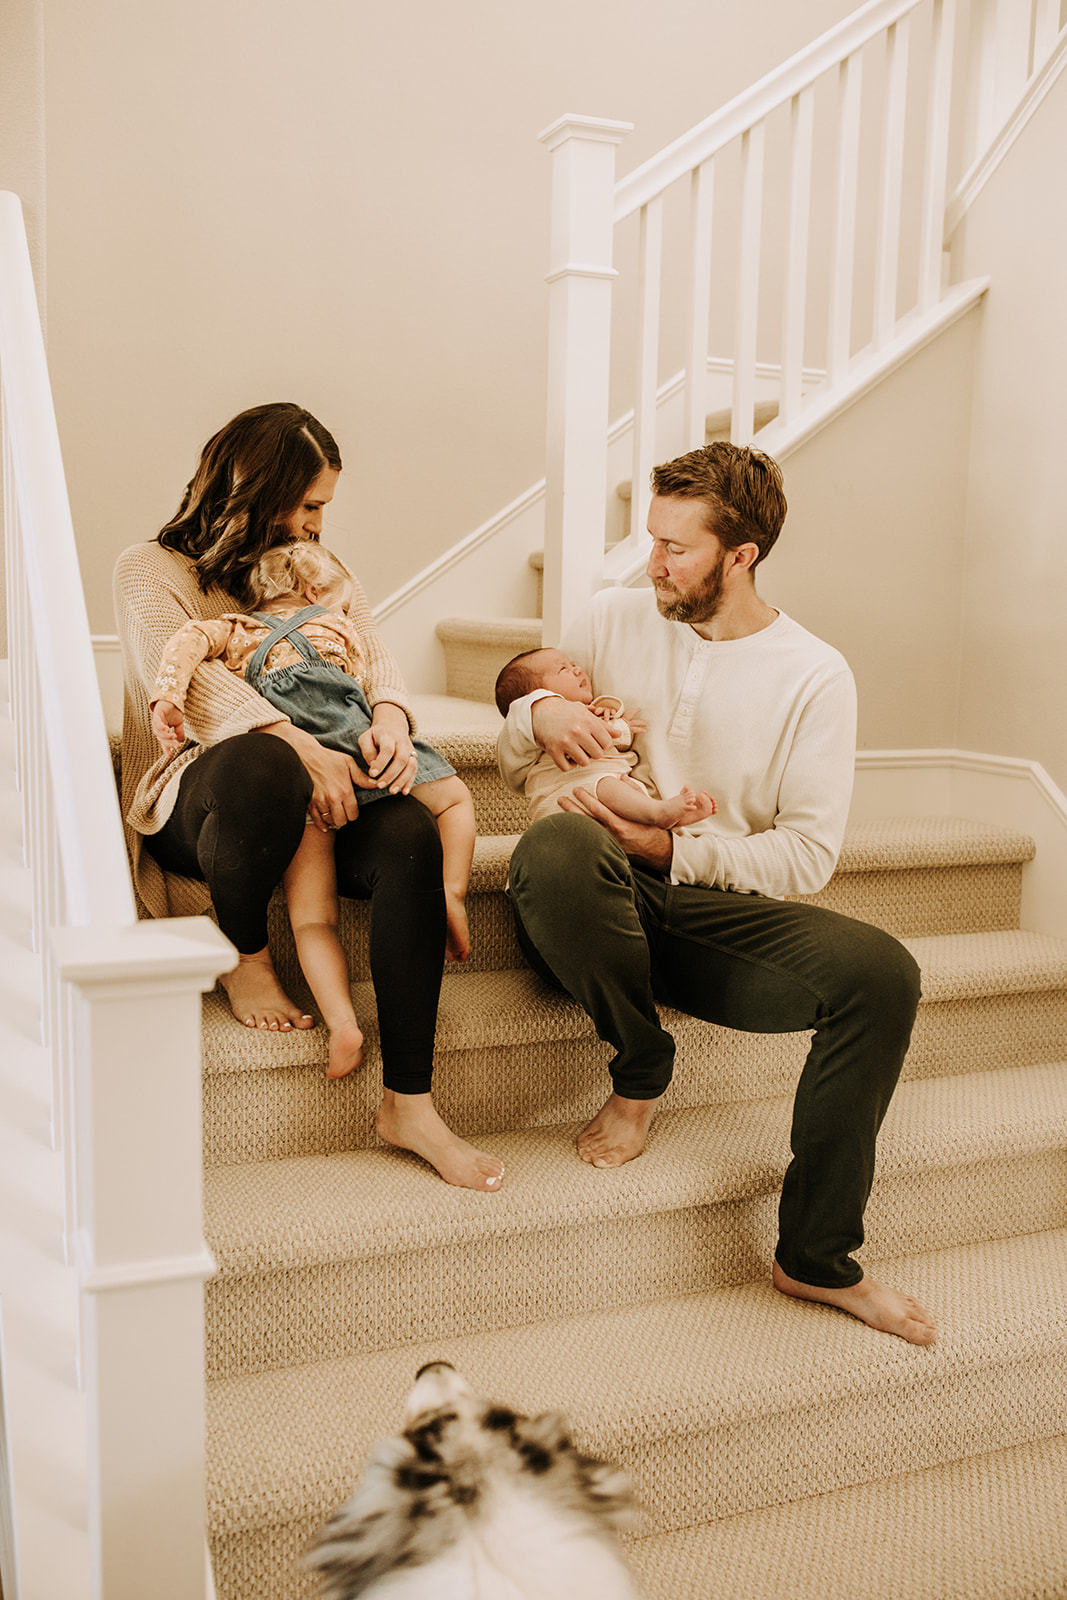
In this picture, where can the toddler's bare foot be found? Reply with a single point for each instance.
(458, 938)
(411, 1122)
(346, 1050)
(617, 1133)
(257, 998)
(874, 1303)
(685, 808)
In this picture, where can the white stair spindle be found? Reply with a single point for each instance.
(935, 183)
(579, 353)
(650, 255)
(744, 386)
(702, 190)
(887, 253)
(801, 119)
(844, 236)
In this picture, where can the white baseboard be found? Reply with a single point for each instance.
(982, 788)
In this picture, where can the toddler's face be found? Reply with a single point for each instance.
(564, 677)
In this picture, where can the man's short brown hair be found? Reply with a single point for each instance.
(740, 488)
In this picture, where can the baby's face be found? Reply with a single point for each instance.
(564, 677)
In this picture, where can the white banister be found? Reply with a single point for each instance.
(116, 1003)
(579, 355)
(840, 149)
(843, 252)
(935, 181)
(743, 407)
(650, 252)
(891, 188)
(795, 279)
(93, 850)
(777, 89)
(701, 204)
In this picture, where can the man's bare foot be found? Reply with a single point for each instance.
(874, 1303)
(458, 937)
(257, 998)
(346, 1049)
(618, 1131)
(685, 808)
(411, 1122)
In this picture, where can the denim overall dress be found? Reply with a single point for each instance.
(324, 700)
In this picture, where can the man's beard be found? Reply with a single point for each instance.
(694, 605)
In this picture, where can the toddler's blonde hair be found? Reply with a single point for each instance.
(285, 572)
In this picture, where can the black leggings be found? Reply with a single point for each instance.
(239, 817)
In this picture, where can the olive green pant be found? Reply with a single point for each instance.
(619, 940)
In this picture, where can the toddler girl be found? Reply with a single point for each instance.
(301, 653)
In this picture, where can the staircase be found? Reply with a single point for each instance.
(761, 1433)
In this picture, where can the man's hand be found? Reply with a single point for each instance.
(645, 846)
(569, 732)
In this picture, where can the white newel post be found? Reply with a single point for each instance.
(140, 1246)
(579, 356)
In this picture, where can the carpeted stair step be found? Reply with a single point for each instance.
(476, 649)
(513, 1054)
(916, 876)
(325, 1256)
(991, 1527)
(718, 1403)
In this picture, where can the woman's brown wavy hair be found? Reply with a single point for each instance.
(252, 475)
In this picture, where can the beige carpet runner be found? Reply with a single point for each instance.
(780, 1451)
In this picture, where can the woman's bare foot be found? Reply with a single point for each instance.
(346, 1049)
(874, 1303)
(458, 937)
(411, 1122)
(257, 998)
(618, 1131)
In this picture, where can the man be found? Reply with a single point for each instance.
(743, 702)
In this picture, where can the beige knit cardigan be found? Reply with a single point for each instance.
(156, 593)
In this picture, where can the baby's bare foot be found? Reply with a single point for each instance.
(458, 938)
(874, 1303)
(617, 1133)
(346, 1049)
(411, 1122)
(257, 998)
(685, 808)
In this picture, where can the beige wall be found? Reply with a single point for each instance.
(871, 554)
(343, 204)
(1013, 683)
(22, 166)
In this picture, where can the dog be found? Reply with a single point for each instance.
(475, 1502)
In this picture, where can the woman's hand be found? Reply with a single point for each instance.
(388, 750)
(335, 777)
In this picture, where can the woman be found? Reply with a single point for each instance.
(220, 819)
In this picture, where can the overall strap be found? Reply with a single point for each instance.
(283, 628)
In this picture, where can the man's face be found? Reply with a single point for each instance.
(687, 562)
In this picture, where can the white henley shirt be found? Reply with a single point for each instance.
(765, 723)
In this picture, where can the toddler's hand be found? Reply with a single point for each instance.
(636, 720)
(168, 725)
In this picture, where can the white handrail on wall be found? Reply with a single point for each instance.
(1009, 42)
(125, 1119)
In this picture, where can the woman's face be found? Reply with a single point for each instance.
(306, 521)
